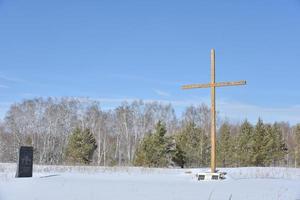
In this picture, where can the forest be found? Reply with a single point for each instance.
(142, 133)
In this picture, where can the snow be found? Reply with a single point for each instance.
(94, 183)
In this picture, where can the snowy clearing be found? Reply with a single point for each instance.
(91, 183)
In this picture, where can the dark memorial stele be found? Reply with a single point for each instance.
(25, 162)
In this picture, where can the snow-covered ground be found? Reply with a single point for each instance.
(129, 183)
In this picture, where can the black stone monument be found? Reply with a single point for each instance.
(25, 162)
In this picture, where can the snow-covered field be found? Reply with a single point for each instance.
(129, 183)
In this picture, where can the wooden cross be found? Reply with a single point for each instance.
(213, 86)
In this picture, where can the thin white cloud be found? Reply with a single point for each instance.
(232, 110)
(4, 86)
(116, 101)
(29, 95)
(161, 93)
(236, 111)
(10, 79)
(144, 79)
(240, 111)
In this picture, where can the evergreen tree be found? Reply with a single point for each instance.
(194, 146)
(269, 147)
(145, 152)
(245, 144)
(81, 146)
(179, 157)
(259, 138)
(225, 146)
(235, 154)
(280, 147)
(155, 149)
(297, 148)
(273, 145)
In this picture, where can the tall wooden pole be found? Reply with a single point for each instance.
(213, 112)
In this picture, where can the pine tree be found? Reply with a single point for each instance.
(280, 147)
(259, 138)
(81, 147)
(269, 147)
(155, 149)
(225, 146)
(297, 148)
(235, 154)
(194, 145)
(245, 144)
(145, 152)
(274, 146)
(179, 157)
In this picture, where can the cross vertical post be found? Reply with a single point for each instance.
(213, 113)
(212, 85)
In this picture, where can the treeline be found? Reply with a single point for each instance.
(140, 133)
(239, 145)
(259, 145)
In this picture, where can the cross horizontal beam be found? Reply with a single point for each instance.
(208, 85)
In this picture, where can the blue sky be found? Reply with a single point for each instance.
(134, 49)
